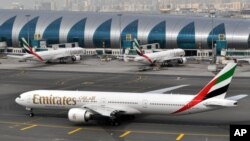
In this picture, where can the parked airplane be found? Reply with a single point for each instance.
(63, 55)
(173, 56)
(84, 105)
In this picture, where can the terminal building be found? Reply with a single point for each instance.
(113, 30)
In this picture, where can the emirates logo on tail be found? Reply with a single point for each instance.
(217, 87)
(27, 48)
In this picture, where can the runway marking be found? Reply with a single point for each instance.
(60, 82)
(88, 83)
(135, 131)
(125, 134)
(180, 137)
(29, 122)
(31, 126)
(74, 131)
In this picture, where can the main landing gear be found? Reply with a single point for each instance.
(114, 122)
(31, 114)
(115, 119)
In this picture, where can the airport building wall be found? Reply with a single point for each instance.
(102, 30)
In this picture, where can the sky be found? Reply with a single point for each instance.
(29, 4)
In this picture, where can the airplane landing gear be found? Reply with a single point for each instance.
(114, 122)
(31, 114)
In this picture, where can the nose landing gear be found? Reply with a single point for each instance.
(31, 114)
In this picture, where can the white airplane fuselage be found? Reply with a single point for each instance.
(161, 57)
(55, 54)
(135, 103)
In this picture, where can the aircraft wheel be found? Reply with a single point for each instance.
(31, 114)
(115, 122)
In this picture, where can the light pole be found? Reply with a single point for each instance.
(28, 16)
(120, 34)
(212, 13)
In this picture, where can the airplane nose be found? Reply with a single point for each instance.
(17, 100)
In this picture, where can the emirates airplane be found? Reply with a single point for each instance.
(83, 106)
(162, 58)
(63, 55)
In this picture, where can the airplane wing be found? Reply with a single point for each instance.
(163, 59)
(22, 58)
(58, 56)
(16, 56)
(244, 59)
(199, 58)
(237, 97)
(62, 55)
(111, 111)
(161, 91)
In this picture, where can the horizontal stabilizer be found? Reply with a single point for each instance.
(237, 97)
(244, 59)
(161, 91)
(15, 56)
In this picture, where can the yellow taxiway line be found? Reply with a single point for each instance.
(180, 137)
(125, 134)
(114, 130)
(74, 131)
(28, 127)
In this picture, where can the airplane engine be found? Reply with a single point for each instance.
(79, 115)
(182, 60)
(76, 58)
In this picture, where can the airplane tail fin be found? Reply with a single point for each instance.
(137, 47)
(217, 87)
(27, 48)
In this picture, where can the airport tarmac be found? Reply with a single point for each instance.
(15, 124)
(93, 64)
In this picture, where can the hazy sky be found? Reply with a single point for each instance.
(29, 4)
(6, 4)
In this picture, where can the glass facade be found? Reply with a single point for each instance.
(158, 34)
(169, 31)
(129, 33)
(214, 34)
(76, 33)
(101, 38)
(51, 33)
(30, 28)
(6, 31)
(186, 37)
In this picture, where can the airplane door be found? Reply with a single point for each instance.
(29, 99)
(145, 103)
(103, 102)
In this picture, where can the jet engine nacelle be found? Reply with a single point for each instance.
(182, 60)
(76, 58)
(79, 115)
